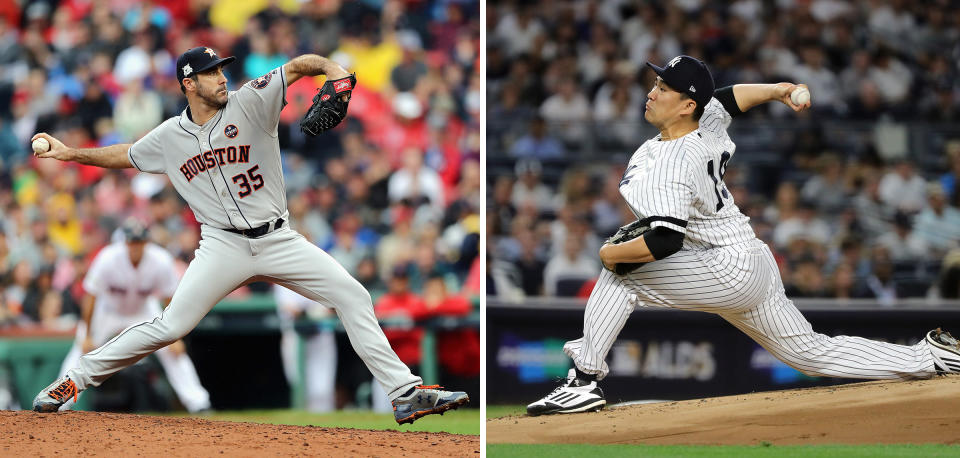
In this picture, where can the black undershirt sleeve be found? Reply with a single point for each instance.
(663, 241)
(725, 96)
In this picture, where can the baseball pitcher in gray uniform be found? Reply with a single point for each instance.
(223, 157)
(700, 252)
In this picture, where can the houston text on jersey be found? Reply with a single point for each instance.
(211, 158)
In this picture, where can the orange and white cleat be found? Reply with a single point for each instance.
(55, 395)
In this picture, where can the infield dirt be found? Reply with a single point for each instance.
(26, 433)
(923, 411)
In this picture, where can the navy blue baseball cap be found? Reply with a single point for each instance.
(134, 231)
(198, 60)
(688, 75)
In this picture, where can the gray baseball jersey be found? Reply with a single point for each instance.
(722, 268)
(229, 171)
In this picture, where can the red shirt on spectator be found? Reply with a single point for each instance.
(406, 342)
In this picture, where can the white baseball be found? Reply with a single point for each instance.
(800, 96)
(41, 145)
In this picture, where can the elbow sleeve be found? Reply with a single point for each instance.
(726, 98)
(663, 242)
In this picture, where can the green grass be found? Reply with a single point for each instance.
(460, 421)
(503, 411)
(808, 451)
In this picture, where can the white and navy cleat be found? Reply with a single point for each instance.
(946, 351)
(573, 396)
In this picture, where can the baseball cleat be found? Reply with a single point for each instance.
(55, 395)
(573, 396)
(946, 351)
(426, 400)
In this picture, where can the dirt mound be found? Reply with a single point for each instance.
(924, 411)
(27, 433)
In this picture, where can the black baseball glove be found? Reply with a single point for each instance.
(329, 106)
(626, 234)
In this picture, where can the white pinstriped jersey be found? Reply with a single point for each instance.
(678, 184)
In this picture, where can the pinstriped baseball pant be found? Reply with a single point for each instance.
(742, 284)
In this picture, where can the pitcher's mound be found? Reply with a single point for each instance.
(28, 433)
(923, 411)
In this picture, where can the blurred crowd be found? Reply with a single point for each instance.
(394, 192)
(870, 215)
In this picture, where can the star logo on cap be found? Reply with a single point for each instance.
(187, 70)
(210, 51)
(673, 62)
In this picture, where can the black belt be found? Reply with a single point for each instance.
(258, 231)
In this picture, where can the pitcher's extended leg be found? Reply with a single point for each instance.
(297, 264)
(779, 327)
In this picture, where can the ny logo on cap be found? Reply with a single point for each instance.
(673, 62)
(210, 51)
(187, 70)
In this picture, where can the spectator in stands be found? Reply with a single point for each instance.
(405, 75)
(15, 291)
(872, 214)
(568, 269)
(804, 225)
(880, 284)
(827, 190)
(530, 263)
(400, 302)
(517, 31)
(537, 143)
(820, 79)
(938, 225)
(949, 281)
(903, 189)
(891, 76)
(843, 283)
(397, 247)
(567, 111)
(856, 72)
(416, 182)
(459, 349)
(807, 280)
(347, 249)
(903, 244)
(529, 190)
(950, 179)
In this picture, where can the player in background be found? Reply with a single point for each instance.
(319, 350)
(123, 286)
(222, 155)
(701, 252)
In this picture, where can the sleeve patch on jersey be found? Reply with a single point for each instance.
(231, 131)
(262, 81)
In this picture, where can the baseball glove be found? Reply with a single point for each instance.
(626, 234)
(329, 106)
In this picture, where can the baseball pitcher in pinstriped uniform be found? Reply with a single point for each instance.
(698, 252)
